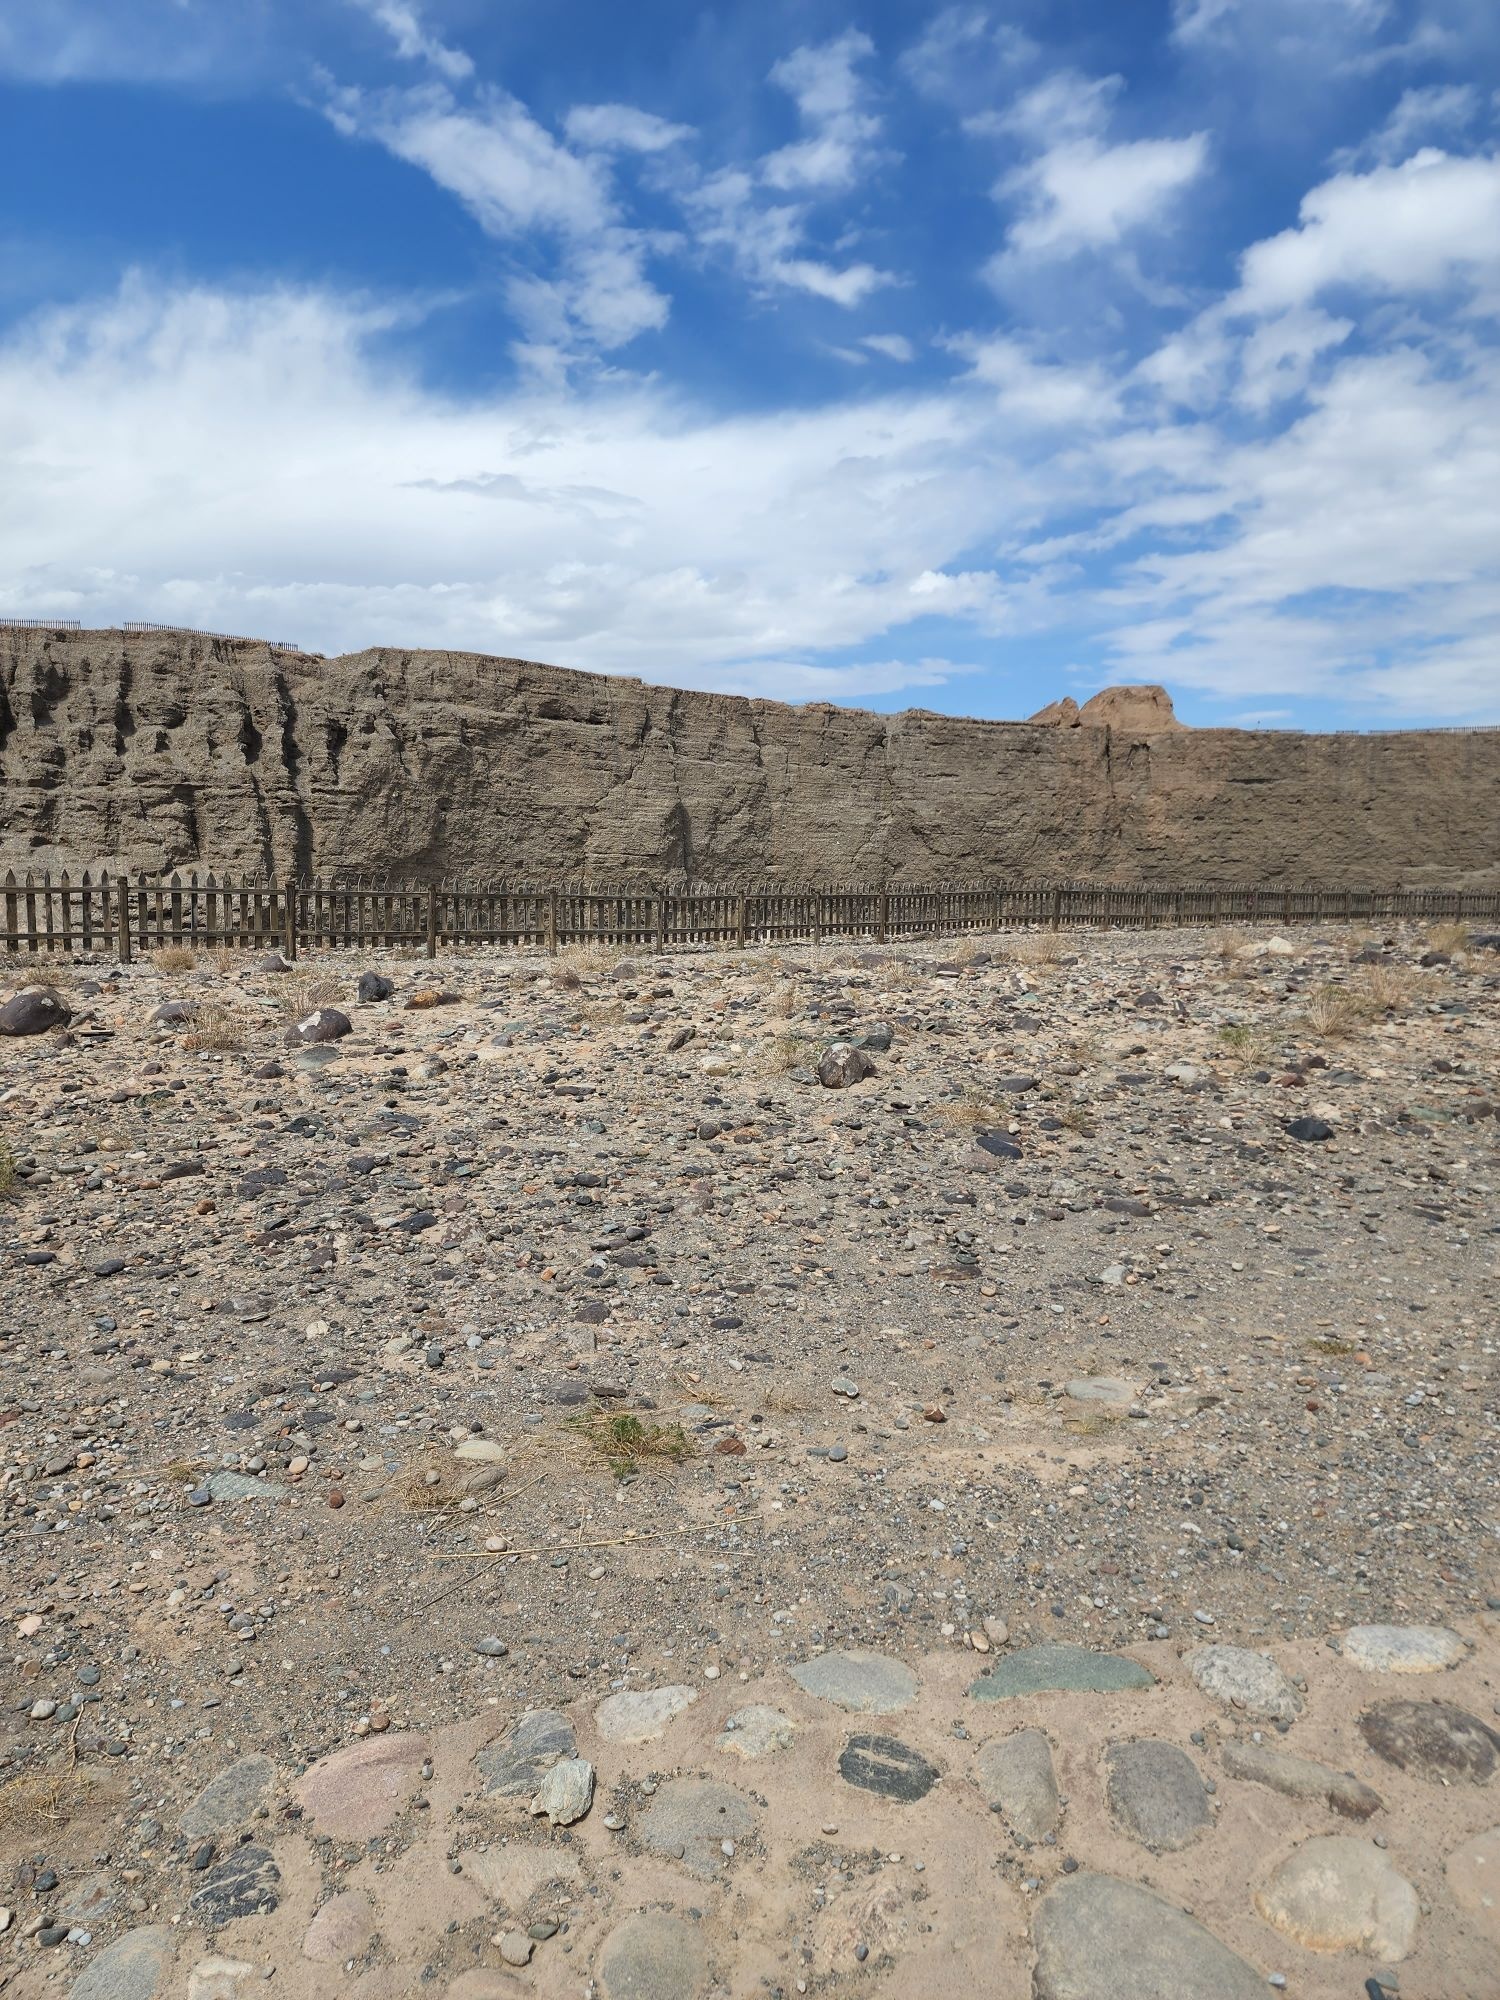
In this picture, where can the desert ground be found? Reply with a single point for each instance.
(942, 1469)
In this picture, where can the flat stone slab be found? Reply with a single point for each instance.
(1432, 1739)
(133, 1967)
(1060, 1668)
(512, 1872)
(344, 1928)
(1474, 1881)
(1251, 1683)
(691, 1818)
(356, 1793)
(217, 1978)
(1339, 1894)
(1098, 1938)
(1300, 1778)
(1016, 1776)
(1403, 1649)
(566, 1793)
(863, 1683)
(641, 1718)
(515, 1766)
(888, 1767)
(243, 1486)
(1156, 1794)
(246, 1883)
(755, 1732)
(227, 1801)
(653, 1957)
(1109, 1390)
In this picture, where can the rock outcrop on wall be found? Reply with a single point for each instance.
(1145, 710)
(171, 749)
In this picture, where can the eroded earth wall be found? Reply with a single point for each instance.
(173, 750)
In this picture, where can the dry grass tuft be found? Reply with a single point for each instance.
(216, 1028)
(225, 958)
(174, 958)
(1091, 1421)
(431, 1485)
(299, 994)
(39, 1799)
(577, 962)
(781, 1403)
(1254, 1046)
(973, 1112)
(625, 1443)
(1231, 948)
(1331, 1012)
(779, 1055)
(1038, 949)
(785, 1001)
(1449, 937)
(1073, 1117)
(1387, 989)
(8, 1171)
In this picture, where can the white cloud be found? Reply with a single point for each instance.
(413, 41)
(1078, 192)
(1084, 196)
(622, 128)
(965, 58)
(765, 236)
(1421, 227)
(1277, 24)
(893, 346)
(1040, 394)
(146, 41)
(824, 82)
(1437, 109)
(247, 462)
(1278, 356)
(766, 241)
(517, 180)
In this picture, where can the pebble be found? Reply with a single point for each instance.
(1092, 1931)
(1246, 1681)
(861, 1682)
(566, 1793)
(643, 1717)
(1156, 1794)
(1403, 1649)
(1017, 1778)
(1339, 1894)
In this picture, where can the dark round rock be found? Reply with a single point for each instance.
(1432, 1739)
(1309, 1128)
(885, 1765)
(34, 1012)
(323, 1024)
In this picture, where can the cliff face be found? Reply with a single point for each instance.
(171, 750)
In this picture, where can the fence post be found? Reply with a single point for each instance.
(432, 923)
(122, 911)
(661, 921)
(883, 918)
(739, 923)
(289, 919)
(552, 921)
(1057, 896)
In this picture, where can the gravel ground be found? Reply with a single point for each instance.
(570, 1336)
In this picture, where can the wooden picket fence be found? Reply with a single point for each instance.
(100, 913)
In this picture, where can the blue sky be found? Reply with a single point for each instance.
(949, 357)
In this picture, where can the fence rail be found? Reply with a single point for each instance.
(100, 913)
